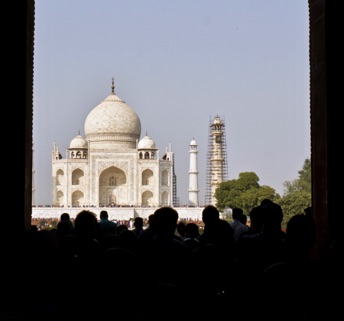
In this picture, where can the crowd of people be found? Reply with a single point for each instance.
(92, 268)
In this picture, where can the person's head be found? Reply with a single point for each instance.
(210, 215)
(265, 201)
(308, 211)
(138, 222)
(272, 215)
(181, 228)
(165, 221)
(120, 228)
(151, 220)
(300, 232)
(103, 214)
(191, 230)
(86, 224)
(237, 212)
(256, 219)
(243, 219)
(64, 228)
(65, 217)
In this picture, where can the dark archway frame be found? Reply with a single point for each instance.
(324, 120)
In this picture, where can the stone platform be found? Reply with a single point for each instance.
(118, 213)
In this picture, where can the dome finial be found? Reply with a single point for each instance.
(113, 86)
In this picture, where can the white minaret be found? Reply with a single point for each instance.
(193, 175)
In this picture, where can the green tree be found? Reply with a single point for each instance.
(297, 193)
(303, 182)
(294, 203)
(244, 192)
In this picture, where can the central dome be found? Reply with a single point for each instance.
(113, 120)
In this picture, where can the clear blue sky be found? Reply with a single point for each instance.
(178, 64)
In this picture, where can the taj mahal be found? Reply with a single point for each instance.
(113, 167)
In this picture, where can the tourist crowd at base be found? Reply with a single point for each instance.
(92, 268)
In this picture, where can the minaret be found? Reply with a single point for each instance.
(217, 166)
(193, 174)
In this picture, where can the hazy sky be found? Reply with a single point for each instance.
(178, 64)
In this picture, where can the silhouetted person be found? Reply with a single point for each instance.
(180, 230)
(191, 230)
(129, 240)
(256, 226)
(121, 227)
(301, 280)
(89, 254)
(191, 235)
(216, 231)
(64, 228)
(308, 211)
(86, 230)
(256, 220)
(121, 282)
(243, 219)
(106, 226)
(216, 246)
(236, 224)
(138, 225)
(170, 253)
(148, 233)
(65, 217)
(300, 238)
(262, 249)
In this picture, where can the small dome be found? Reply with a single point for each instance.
(193, 143)
(217, 121)
(78, 143)
(146, 143)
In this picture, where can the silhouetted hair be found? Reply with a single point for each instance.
(243, 219)
(191, 230)
(138, 221)
(256, 218)
(65, 217)
(308, 211)
(103, 214)
(237, 212)
(272, 213)
(86, 223)
(265, 201)
(210, 214)
(301, 231)
(165, 220)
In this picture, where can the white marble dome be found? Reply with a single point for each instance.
(146, 143)
(78, 142)
(193, 143)
(113, 120)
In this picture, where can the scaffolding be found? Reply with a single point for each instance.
(175, 200)
(217, 163)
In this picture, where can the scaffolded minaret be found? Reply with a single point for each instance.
(193, 175)
(217, 165)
